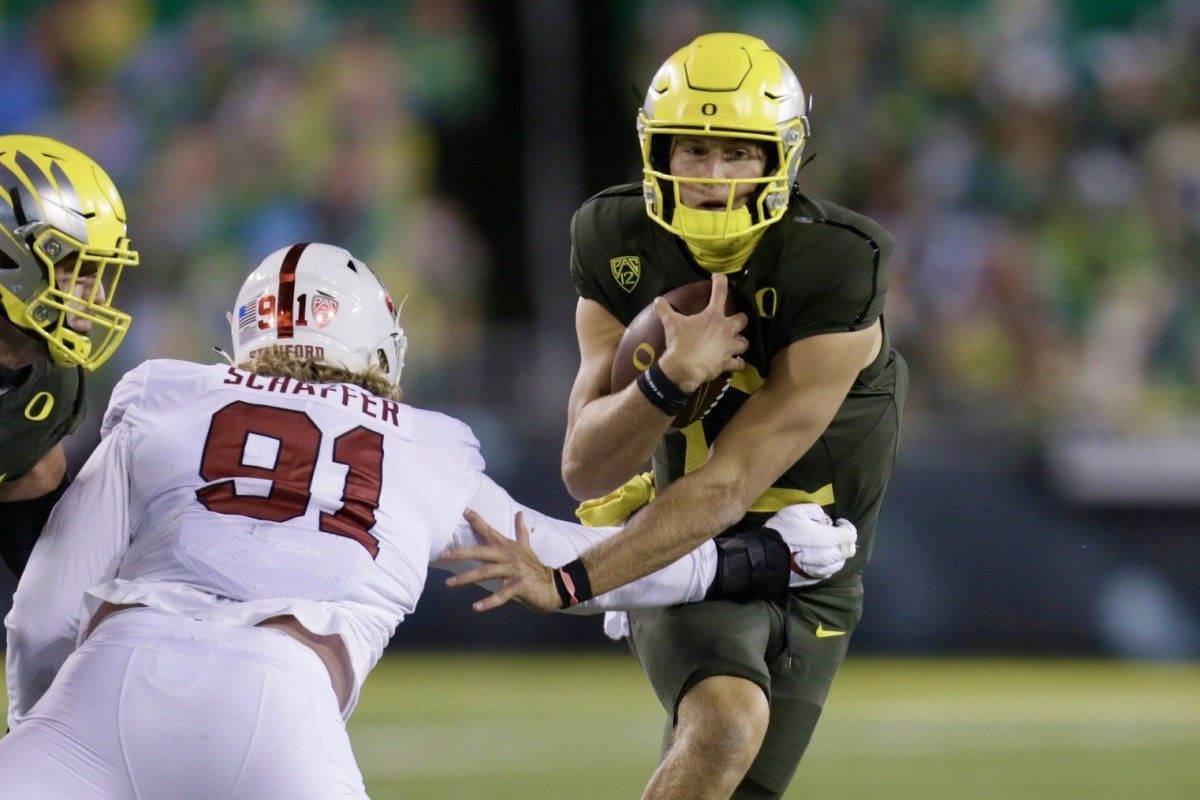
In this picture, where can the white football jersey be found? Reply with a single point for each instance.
(227, 496)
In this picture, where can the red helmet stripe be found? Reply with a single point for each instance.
(287, 291)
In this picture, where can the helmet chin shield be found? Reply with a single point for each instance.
(62, 250)
(724, 85)
(319, 301)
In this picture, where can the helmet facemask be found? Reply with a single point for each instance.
(63, 248)
(74, 314)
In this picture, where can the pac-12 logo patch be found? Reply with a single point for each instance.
(627, 270)
(324, 309)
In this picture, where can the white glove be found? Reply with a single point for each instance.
(819, 546)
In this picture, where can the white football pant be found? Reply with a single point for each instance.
(155, 706)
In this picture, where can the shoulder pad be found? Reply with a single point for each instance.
(125, 395)
(604, 216)
(443, 431)
(809, 209)
(623, 190)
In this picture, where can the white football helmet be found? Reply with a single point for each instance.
(319, 301)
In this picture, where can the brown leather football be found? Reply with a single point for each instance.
(644, 341)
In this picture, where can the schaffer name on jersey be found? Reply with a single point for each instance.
(347, 394)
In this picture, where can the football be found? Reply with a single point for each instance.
(644, 341)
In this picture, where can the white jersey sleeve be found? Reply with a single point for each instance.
(557, 541)
(79, 548)
(126, 394)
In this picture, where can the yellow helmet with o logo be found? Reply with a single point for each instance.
(725, 85)
(62, 249)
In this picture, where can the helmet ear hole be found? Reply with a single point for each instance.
(660, 153)
(771, 157)
(384, 365)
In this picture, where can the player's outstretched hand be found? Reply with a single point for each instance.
(819, 546)
(523, 576)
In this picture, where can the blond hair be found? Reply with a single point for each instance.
(275, 362)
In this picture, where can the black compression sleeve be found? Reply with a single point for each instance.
(751, 565)
(23, 521)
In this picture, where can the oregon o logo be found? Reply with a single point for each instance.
(643, 356)
(38, 408)
(768, 302)
(708, 109)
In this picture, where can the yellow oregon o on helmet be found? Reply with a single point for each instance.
(62, 249)
(725, 85)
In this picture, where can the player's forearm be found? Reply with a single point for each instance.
(690, 512)
(609, 440)
(684, 580)
(556, 542)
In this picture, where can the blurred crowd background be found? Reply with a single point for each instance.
(1037, 161)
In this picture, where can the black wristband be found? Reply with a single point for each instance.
(573, 585)
(751, 565)
(23, 521)
(661, 390)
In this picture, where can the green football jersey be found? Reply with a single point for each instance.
(821, 269)
(45, 405)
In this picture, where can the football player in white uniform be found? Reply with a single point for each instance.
(208, 597)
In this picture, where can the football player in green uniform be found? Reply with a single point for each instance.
(812, 413)
(62, 250)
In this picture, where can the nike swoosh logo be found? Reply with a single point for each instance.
(824, 633)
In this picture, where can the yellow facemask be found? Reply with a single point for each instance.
(62, 228)
(720, 241)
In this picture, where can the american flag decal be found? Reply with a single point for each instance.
(247, 317)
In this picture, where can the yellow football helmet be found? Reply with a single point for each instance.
(726, 85)
(62, 249)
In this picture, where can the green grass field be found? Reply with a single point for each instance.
(475, 726)
(587, 728)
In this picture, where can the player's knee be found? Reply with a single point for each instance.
(725, 717)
